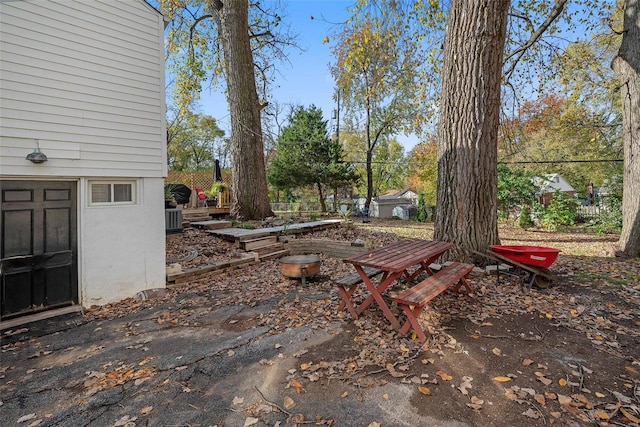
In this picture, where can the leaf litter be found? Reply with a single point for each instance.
(590, 301)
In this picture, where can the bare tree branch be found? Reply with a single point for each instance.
(516, 55)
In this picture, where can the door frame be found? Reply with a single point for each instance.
(74, 224)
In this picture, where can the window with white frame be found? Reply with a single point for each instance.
(112, 192)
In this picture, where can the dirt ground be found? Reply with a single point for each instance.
(568, 355)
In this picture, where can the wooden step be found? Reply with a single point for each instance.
(193, 219)
(273, 255)
(249, 245)
(275, 247)
(211, 224)
(218, 266)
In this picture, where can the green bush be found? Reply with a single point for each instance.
(562, 211)
(247, 226)
(515, 189)
(610, 218)
(421, 209)
(525, 221)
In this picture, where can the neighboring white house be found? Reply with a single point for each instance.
(84, 81)
(382, 207)
(549, 184)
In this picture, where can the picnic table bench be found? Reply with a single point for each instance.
(413, 300)
(347, 285)
(395, 260)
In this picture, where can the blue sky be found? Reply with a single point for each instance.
(306, 79)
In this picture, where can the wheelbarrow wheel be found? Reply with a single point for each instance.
(541, 281)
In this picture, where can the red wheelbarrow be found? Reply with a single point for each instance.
(534, 259)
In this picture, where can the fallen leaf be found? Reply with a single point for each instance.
(444, 376)
(424, 390)
(475, 403)
(296, 419)
(580, 398)
(146, 410)
(250, 421)
(600, 395)
(531, 414)
(296, 385)
(126, 420)
(540, 399)
(374, 424)
(555, 414)
(527, 362)
(502, 379)
(545, 381)
(463, 388)
(629, 416)
(345, 394)
(510, 395)
(26, 418)
(238, 400)
(564, 400)
(497, 351)
(631, 369)
(562, 382)
(289, 402)
(621, 397)
(600, 414)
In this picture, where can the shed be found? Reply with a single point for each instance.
(82, 153)
(382, 207)
(405, 211)
(549, 184)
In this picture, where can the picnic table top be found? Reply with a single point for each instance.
(401, 255)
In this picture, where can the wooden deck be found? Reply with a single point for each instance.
(241, 234)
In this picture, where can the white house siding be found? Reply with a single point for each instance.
(123, 249)
(85, 78)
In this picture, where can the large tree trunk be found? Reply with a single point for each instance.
(466, 211)
(627, 66)
(250, 196)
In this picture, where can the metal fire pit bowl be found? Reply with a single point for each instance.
(300, 266)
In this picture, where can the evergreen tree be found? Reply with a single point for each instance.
(305, 155)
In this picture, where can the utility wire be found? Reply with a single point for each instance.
(506, 163)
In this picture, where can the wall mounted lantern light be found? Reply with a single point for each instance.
(37, 156)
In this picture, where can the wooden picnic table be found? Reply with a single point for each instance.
(394, 260)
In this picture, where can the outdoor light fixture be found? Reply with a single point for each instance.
(37, 156)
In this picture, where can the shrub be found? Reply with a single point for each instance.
(421, 209)
(610, 218)
(525, 221)
(515, 188)
(560, 212)
(247, 226)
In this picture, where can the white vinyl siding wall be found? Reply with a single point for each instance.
(86, 79)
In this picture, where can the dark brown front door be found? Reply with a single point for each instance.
(38, 246)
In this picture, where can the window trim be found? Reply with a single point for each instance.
(112, 183)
